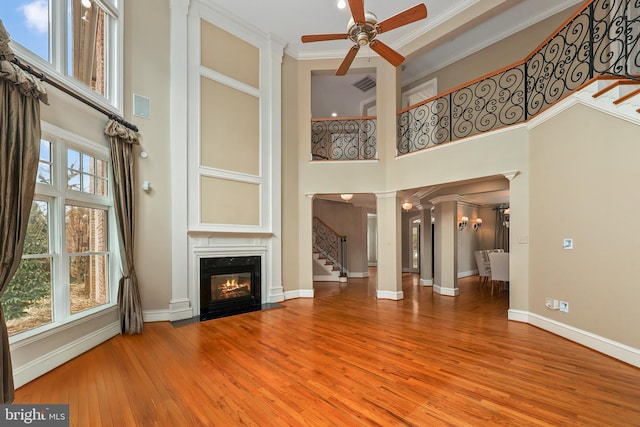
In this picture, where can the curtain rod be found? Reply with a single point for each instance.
(29, 69)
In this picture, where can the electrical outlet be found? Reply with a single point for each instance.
(548, 302)
(556, 304)
(564, 306)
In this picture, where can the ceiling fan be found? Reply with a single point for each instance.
(363, 28)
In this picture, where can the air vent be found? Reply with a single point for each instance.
(365, 84)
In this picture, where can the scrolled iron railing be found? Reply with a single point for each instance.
(348, 138)
(602, 38)
(330, 245)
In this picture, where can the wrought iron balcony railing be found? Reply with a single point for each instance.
(602, 38)
(347, 138)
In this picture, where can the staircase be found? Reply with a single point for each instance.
(617, 96)
(329, 253)
(323, 269)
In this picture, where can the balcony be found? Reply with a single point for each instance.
(346, 138)
(601, 39)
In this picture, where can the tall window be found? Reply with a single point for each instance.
(67, 269)
(74, 40)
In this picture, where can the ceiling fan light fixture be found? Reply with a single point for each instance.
(363, 28)
(362, 39)
(342, 4)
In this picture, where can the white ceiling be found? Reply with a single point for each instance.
(290, 19)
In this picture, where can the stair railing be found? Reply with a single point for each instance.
(330, 245)
(601, 39)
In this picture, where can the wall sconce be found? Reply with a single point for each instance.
(464, 221)
(478, 224)
(346, 197)
(407, 206)
(507, 215)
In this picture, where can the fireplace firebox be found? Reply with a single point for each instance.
(229, 285)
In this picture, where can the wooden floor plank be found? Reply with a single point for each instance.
(346, 358)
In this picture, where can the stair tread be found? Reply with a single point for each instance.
(627, 96)
(614, 85)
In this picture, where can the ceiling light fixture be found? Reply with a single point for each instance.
(346, 197)
(342, 4)
(86, 3)
(407, 206)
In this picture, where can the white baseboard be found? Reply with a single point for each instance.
(300, 293)
(450, 292)
(276, 294)
(180, 309)
(47, 362)
(359, 275)
(462, 274)
(603, 345)
(396, 296)
(324, 279)
(157, 315)
(426, 282)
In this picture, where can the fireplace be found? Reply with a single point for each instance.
(229, 285)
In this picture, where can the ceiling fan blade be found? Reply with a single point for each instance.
(357, 10)
(413, 14)
(387, 53)
(346, 63)
(323, 37)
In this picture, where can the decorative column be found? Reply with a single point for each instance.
(179, 305)
(389, 246)
(426, 249)
(305, 261)
(272, 149)
(446, 245)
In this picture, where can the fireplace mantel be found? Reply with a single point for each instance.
(217, 245)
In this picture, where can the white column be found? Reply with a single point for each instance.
(446, 245)
(389, 246)
(305, 260)
(180, 304)
(272, 150)
(426, 250)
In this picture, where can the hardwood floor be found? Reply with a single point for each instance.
(345, 358)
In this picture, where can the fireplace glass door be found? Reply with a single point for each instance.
(226, 286)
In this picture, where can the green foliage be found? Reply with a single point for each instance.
(32, 281)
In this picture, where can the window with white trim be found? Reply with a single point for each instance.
(68, 267)
(76, 42)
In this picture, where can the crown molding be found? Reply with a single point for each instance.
(448, 198)
(484, 43)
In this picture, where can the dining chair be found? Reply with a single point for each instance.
(499, 262)
(484, 270)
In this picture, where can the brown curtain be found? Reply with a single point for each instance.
(121, 142)
(20, 96)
